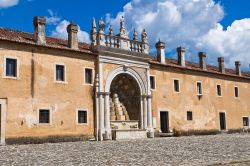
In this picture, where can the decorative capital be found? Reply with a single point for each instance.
(125, 68)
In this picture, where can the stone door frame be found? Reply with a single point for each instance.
(3, 103)
(103, 99)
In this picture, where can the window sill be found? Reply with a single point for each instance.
(11, 77)
(199, 94)
(44, 124)
(82, 124)
(88, 84)
(60, 82)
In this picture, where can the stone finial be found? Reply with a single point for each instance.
(237, 68)
(101, 34)
(181, 56)
(221, 64)
(40, 30)
(72, 30)
(135, 35)
(202, 59)
(110, 29)
(93, 32)
(101, 26)
(123, 31)
(160, 46)
(144, 38)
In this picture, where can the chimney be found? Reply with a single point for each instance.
(202, 58)
(221, 64)
(181, 56)
(39, 28)
(160, 46)
(237, 68)
(72, 30)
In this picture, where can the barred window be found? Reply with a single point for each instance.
(219, 90)
(152, 82)
(88, 76)
(236, 91)
(11, 67)
(199, 88)
(189, 115)
(82, 116)
(60, 73)
(44, 116)
(176, 85)
(245, 121)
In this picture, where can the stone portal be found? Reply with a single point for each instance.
(125, 98)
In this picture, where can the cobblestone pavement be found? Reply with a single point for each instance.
(224, 149)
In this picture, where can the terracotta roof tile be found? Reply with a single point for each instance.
(196, 66)
(25, 37)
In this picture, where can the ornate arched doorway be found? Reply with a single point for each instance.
(125, 99)
(130, 89)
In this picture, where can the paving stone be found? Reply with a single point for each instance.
(230, 149)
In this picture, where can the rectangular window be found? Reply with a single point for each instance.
(176, 85)
(152, 82)
(245, 121)
(236, 91)
(189, 115)
(44, 116)
(219, 90)
(88, 76)
(82, 117)
(199, 88)
(11, 67)
(60, 73)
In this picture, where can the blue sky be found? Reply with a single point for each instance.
(199, 25)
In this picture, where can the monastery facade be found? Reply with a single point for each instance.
(112, 88)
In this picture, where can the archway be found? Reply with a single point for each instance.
(128, 91)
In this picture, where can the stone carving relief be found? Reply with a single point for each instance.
(125, 95)
(117, 110)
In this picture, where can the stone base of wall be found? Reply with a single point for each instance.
(48, 139)
(177, 133)
(244, 130)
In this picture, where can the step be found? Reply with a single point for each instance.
(129, 134)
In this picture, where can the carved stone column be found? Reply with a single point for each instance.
(107, 110)
(145, 119)
(101, 116)
(107, 134)
(141, 113)
(150, 119)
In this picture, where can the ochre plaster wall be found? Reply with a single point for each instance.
(62, 99)
(205, 110)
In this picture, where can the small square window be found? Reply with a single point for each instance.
(82, 117)
(245, 121)
(60, 73)
(44, 116)
(236, 91)
(11, 67)
(199, 88)
(176, 85)
(88, 76)
(219, 90)
(152, 82)
(189, 115)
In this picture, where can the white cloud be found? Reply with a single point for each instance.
(61, 32)
(193, 24)
(8, 3)
(233, 43)
(52, 18)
